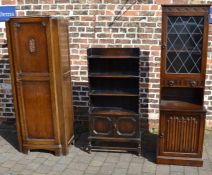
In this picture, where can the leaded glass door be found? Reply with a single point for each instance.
(183, 44)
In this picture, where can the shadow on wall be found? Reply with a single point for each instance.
(80, 100)
(144, 90)
(148, 140)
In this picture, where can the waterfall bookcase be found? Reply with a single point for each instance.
(114, 99)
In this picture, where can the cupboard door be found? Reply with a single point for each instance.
(126, 126)
(184, 41)
(101, 125)
(181, 134)
(36, 109)
(30, 42)
(31, 66)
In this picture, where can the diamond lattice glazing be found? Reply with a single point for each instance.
(184, 44)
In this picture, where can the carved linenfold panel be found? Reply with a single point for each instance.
(32, 45)
(184, 9)
(181, 134)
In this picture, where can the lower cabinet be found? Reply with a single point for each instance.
(115, 128)
(181, 137)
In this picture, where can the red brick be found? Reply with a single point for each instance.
(163, 1)
(131, 13)
(155, 47)
(111, 7)
(145, 7)
(137, 28)
(108, 12)
(158, 13)
(180, 2)
(88, 18)
(20, 13)
(8, 2)
(154, 7)
(47, 2)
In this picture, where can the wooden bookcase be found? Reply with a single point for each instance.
(40, 73)
(114, 98)
(183, 68)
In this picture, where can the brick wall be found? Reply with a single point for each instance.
(6, 104)
(92, 24)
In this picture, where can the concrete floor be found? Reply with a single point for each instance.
(79, 162)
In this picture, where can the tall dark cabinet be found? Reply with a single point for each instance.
(40, 73)
(114, 98)
(183, 68)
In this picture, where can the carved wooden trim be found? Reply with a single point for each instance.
(185, 9)
(32, 45)
(120, 119)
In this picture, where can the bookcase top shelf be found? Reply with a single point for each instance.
(113, 53)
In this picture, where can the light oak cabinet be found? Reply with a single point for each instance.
(40, 72)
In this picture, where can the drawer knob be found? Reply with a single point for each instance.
(171, 83)
(193, 83)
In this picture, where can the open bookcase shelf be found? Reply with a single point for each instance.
(115, 111)
(176, 105)
(114, 95)
(113, 75)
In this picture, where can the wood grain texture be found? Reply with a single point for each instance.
(185, 130)
(182, 113)
(42, 95)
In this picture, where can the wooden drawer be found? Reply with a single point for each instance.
(114, 126)
(182, 83)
